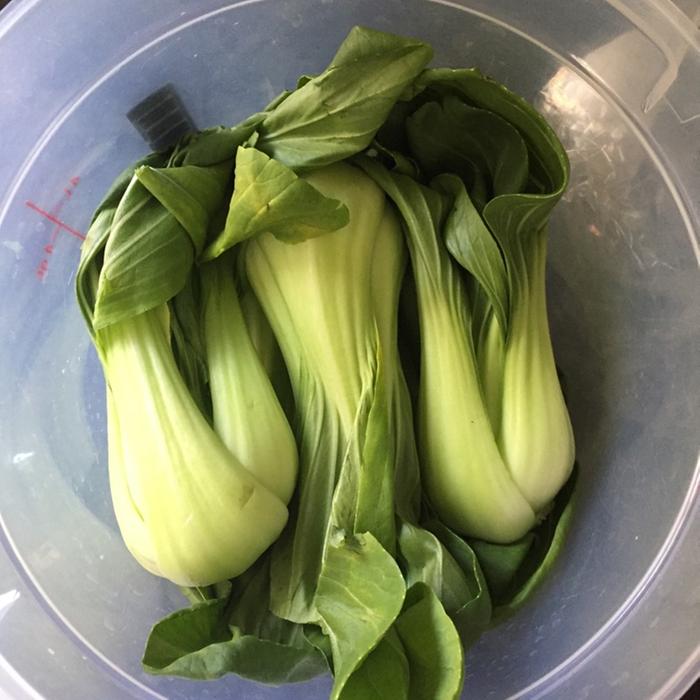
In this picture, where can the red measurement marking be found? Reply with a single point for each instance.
(52, 216)
(55, 220)
(42, 269)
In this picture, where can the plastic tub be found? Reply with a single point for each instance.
(619, 618)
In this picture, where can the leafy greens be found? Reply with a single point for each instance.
(247, 293)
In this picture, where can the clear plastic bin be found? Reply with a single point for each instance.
(620, 81)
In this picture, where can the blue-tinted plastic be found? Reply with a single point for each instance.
(619, 617)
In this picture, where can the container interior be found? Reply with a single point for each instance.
(75, 608)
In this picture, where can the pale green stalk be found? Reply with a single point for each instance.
(317, 295)
(206, 517)
(536, 438)
(247, 415)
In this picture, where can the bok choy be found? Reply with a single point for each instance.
(334, 413)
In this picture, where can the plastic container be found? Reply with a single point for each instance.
(619, 618)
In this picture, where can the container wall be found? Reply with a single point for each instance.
(615, 79)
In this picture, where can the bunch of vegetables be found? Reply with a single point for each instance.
(334, 413)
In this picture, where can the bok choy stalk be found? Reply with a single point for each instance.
(463, 472)
(247, 415)
(388, 268)
(189, 510)
(535, 436)
(505, 446)
(267, 349)
(317, 295)
(526, 178)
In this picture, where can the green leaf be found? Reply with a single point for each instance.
(392, 134)
(394, 160)
(548, 540)
(421, 553)
(320, 641)
(360, 593)
(364, 495)
(118, 187)
(269, 197)
(548, 161)
(188, 343)
(422, 210)
(516, 221)
(500, 563)
(516, 215)
(276, 101)
(471, 244)
(512, 217)
(260, 660)
(184, 633)
(194, 643)
(233, 634)
(249, 608)
(407, 490)
(217, 145)
(450, 136)
(147, 258)
(297, 555)
(191, 193)
(334, 115)
(383, 674)
(473, 615)
(432, 647)
(427, 561)
(87, 275)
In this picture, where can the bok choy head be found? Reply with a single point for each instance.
(188, 509)
(196, 504)
(495, 437)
